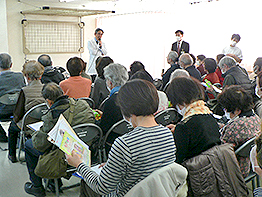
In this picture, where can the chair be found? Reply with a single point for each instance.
(168, 116)
(119, 128)
(89, 133)
(36, 113)
(244, 151)
(101, 106)
(90, 101)
(165, 182)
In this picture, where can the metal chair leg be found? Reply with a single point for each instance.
(56, 187)
(22, 139)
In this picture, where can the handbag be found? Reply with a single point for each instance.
(52, 164)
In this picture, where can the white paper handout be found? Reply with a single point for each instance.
(63, 136)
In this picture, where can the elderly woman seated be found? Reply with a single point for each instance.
(197, 140)
(243, 125)
(116, 75)
(136, 154)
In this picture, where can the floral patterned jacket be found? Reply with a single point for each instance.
(237, 131)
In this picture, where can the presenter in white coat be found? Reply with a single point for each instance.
(96, 48)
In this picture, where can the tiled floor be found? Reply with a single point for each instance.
(14, 175)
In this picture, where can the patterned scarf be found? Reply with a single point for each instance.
(197, 107)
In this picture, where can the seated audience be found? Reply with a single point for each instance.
(258, 92)
(163, 101)
(200, 66)
(116, 75)
(218, 71)
(83, 72)
(186, 62)
(178, 73)
(235, 75)
(29, 97)
(172, 60)
(136, 154)
(51, 74)
(59, 104)
(134, 67)
(198, 130)
(100, 91)
(10, 82)
(244, 124)
(197, 140)
(76, 86)
(210, 66)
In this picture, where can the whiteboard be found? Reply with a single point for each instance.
(52, 37)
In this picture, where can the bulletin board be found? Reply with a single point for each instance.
(52, 37)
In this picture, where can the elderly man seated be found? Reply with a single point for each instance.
(59, 104)
(29, 97)
(10, 82)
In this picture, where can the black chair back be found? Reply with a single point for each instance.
(168, 116)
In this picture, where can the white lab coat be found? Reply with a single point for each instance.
(94, 52)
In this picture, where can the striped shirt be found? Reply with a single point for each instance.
(132, 158)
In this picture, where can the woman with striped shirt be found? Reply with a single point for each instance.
(136, 154)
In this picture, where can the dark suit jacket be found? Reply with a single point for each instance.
(184, 47)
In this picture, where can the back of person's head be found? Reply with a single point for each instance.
(101, 63)
(235, 97)
(179, 31)
(185, 90)
(138, 97)
(45, 60)
(5, 61)
(259, 79)
(136, 66)
(219, 57)
(52, 91)
(210, 65)
(179, 73)
(74, 66)
(83, 64)
(257, 65)
(142, 74)
(173, 56)
(201, 57)
(236, 36)
(186, 59)
(33, 69)
(193, 58)
(116, 73)
(229, 61)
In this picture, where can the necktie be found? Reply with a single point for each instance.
(178, 47)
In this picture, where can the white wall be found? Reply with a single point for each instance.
(14, 27)
(3, 29)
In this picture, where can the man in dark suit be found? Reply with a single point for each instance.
(180, 46)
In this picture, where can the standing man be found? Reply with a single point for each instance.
(180, 46)
(96, 48)
(232, 50)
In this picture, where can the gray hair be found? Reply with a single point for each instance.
(229, 61)
(178, 73)
(5, 61)
(173, 56)
(52, 91)
(33, 69)
(116, 73)
(186, 59)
